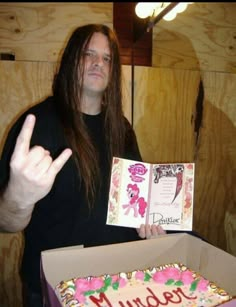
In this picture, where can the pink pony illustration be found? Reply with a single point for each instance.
(138, 204)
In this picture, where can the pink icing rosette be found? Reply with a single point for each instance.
(122, 282)
(82, 285)
(202, 284)
(96, 283)
(80, 297)
(160, 277)
(172, 273)
(166, 274)
(114, 278)
(139, 275)
(187, 277)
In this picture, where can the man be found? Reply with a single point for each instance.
(56, 162)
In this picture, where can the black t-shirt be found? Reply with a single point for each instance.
(62, 218)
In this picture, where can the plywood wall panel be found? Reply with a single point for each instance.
(216, 162)
(126, 91)
(11, 248)
(22, 84)
(165, 102)
(165, 112)
(38, 31)
(203, 36)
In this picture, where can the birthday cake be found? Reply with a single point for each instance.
(167, 285)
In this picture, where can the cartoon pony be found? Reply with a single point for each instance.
(136, 203)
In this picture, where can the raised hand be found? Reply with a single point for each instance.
(32, 170)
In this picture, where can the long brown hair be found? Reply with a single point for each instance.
(67, 89)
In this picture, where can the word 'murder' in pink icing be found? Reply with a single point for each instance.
(163, 286)
(174, 297)
(86, 288)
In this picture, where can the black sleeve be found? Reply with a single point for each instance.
(132, 151)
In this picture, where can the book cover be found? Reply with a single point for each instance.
(145, 193)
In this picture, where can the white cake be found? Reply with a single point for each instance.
(170, 285)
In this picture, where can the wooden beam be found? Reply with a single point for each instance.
(135, 41)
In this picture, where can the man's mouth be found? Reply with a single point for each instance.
(96, 76)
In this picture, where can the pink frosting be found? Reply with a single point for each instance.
(114, 278)
(122, 282)
(166, 274)
(169, 273)
(187, 277)
(82, 285)
(139, 275)
(172, 273)
(160, 277)
(80, 297)
(96, 283)
(202, 284)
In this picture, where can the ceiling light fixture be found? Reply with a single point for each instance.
(158, 10)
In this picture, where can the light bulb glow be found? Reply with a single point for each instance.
(170, 16)
(153, 9)
(159, 7)
(179, 8)
(144, 9)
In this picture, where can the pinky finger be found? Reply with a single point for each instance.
(160, 230)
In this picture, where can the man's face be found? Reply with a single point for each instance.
(97, 61)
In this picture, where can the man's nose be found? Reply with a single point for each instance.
(98, 60)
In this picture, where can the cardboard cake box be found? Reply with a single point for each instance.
(76, 261)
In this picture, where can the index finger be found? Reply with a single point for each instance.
(24, 137)
(59, 162)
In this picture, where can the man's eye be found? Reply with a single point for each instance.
(88, 53)
(107, 59)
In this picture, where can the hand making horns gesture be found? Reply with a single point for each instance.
(32, 170)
